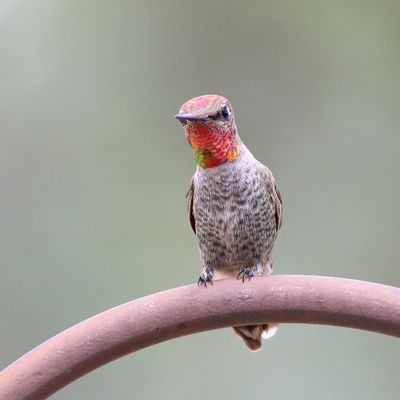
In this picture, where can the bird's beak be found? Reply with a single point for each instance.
(191, 117)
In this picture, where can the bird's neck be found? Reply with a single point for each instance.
(245, 163)
(206, 158)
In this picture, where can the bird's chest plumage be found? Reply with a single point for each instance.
(234, 217)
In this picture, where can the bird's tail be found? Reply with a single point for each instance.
(253, 334)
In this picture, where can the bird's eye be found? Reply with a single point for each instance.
(225, 112)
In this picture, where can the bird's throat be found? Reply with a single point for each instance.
(212, 148)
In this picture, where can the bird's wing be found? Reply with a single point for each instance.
(190, 195)
(278, 207)
(275, 197)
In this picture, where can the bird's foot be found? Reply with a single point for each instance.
(204, 279)
(247, 273)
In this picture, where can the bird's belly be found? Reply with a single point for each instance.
(231, 241)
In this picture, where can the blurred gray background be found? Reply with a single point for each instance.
(94, 171)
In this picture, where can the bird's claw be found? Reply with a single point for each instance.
(246, 273)
(204, 279)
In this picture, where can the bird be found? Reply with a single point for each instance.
(234, 205)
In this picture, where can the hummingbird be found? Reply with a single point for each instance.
(234, 206)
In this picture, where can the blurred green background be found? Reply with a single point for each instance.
(94, 171)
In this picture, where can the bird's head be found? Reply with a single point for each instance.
(210, 129)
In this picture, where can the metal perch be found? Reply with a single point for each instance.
(191, 309)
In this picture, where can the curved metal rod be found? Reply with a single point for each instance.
(190, 309)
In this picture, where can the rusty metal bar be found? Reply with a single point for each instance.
(191, 309)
